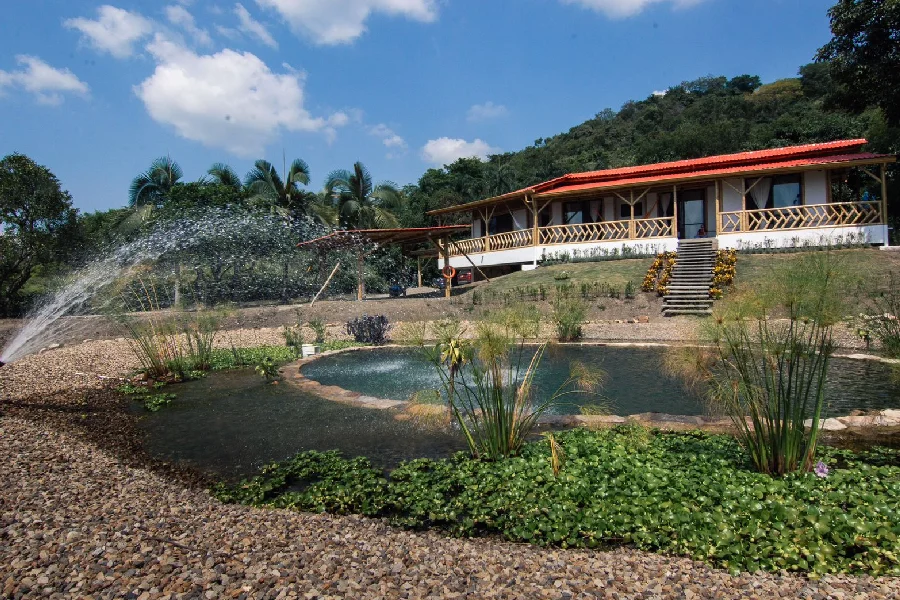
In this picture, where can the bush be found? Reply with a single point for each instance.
(884, 322)
(320, 329)
(568, 315)
(369, 329)
(687, 494)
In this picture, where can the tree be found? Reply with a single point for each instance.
(362, 205)
(864, 53)
(222, 174)
(267, 188)
(37, 225)
(152, 187)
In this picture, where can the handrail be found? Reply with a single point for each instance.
(833, 214)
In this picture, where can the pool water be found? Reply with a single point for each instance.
(229, 424)
(635, 382)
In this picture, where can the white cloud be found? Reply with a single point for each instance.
(342, 21)
(46, 83)
(180, 17)
(444, 151)
(252, 27)
(229, 99)
(388, 137)
(620, 9)
(115, 30)
(486, 111)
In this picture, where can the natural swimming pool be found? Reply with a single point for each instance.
(636, 381)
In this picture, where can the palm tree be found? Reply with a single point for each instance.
(268, 189)
(362, 205)
(152, 186)
(222, 174)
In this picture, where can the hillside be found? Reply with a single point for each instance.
(711, 115)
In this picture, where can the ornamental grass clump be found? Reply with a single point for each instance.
(568, 316)
(489, 386)
(770, 373)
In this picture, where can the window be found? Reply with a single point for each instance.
(786, 191)
(575, 213)
(501, 224)
(625, 210)
(544, 217)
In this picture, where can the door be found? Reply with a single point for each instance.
(692, 213)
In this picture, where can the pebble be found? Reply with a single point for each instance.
(114, 529)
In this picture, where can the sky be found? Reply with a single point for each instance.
(97, 91)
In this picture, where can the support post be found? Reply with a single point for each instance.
(419, 271)
(535, 233)
(360, 278)
(445, 251)
(884, 205)
(744, 219)
(718, 207)
(631, 230)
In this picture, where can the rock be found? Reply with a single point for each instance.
(826, 424)
(869, 421)
(643, 319)
(54, 346)
(891, 413)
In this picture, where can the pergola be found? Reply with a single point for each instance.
(364, 241)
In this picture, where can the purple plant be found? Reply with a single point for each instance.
(821, 469)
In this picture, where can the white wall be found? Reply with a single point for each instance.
(530, 254)
(821, 236)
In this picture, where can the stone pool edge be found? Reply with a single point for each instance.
(879, 421)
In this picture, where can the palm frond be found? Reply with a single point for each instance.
(299, 172)
(223, 174)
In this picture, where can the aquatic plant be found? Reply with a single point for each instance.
(684, 494)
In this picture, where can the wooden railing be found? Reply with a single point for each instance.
(639, 229)
(835, 214)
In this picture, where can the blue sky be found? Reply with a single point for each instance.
(96, 91)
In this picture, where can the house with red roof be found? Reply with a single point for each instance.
(813, 194)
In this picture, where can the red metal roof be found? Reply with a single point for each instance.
(721, 160)
(740, 162)
(745, 169)
(405, 235)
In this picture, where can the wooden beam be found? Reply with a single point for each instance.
(675, 210)
(872, 175)
(445, 247)
(419, 270)
(325, 285)
(474, 266)
(884, 205)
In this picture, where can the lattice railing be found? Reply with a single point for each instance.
(471, 246)
(653, 228)
(511, 239)
(802, 217)
(584, 232)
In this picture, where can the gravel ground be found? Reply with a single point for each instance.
(84, 513)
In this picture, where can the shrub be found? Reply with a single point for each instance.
(268, 368)
(293, 339)
(173, 346)
(369, 329)
(568, 315)
(320, 329)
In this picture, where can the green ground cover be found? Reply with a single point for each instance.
(688, 494)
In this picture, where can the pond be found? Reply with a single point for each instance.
(231, 423)
(635, 379)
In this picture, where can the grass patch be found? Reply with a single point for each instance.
(686, 494)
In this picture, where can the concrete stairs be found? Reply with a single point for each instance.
(691, 278)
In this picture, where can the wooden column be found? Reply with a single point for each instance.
(631, 232)
(419, 271)
(718, 207)
(535, 234)
(445, 251)
(884, 215)
(360, 277)
(744, 218)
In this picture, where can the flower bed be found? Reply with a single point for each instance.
(723, 272)
(659, 273)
